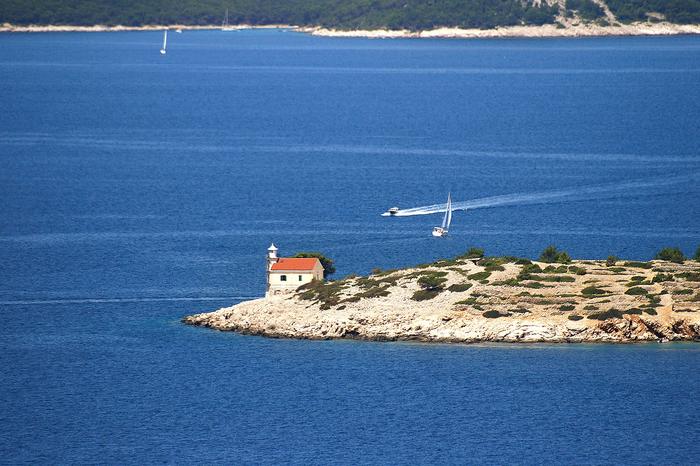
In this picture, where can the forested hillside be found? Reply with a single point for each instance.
(341, 14)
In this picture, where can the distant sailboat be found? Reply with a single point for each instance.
(165, 42)
(225, 26)
(447, 219)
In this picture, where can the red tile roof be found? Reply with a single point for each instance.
(295, 263)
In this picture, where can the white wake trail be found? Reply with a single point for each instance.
(573, 194)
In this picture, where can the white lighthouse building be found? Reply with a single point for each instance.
(286, 274)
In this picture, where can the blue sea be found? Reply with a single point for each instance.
(137, 188)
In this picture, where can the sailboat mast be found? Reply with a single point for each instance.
(165, 39)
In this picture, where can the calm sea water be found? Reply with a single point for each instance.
(137, 188)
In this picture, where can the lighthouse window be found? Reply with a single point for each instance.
(299, 277)
(283, 278)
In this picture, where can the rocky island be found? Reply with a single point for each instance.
(485, 299)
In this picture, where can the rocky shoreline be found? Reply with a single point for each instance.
(484, 300)
(547, 30)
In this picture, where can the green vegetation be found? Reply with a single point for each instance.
(696, 257)
(671, 255)
(459, 287)
(422, 295)
(473, 253)
(593, 291)
(327, 294)
(604, 315)
(327, 263)
(432, 281)
(575, 317)
(493, 314)
(551, 254)
(611, 261)
(567, 307)
(638, 265)
(690, 276)
(348, 14)
(683, 291)
(675, 11)
(587, 9)
(662, 277)
(636, 290)
(431, 284)
(479, 276)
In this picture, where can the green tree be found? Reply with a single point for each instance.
(697, 254)
(671, 255)
(327, 263)
(552, 254)
(611, 261)
(431, 282)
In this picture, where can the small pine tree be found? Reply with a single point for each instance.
(671, 255)
(552, 254)
(611, 261)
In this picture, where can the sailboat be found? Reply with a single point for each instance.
(165, 42)
(447, 219)
(225, 26)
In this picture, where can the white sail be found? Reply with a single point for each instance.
(448, 214)
(447, 219)
(165, 42)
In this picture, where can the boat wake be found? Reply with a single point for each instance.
(542, 197)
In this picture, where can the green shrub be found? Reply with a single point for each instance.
(469, 301)
(553, 269)
(604, 315)
(696, 257)
(495, 314)
(683, 291)
(671, 255)
(457, 288)
(690, 276)
(472, 253)
(636, 290)
(536, 285)
(638, 265)
(495, 268)
(574, 317)
(618, 269)
(593, 291)
(375, 292)
(567, 307)
(590, 307)
(479, 275)
(662, 277)
(551, 254)
(555, 278)
(432, 281)
(422, 295)
(522, 261)
(611, 261)
(577, 270)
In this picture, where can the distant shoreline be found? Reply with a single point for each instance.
(547, 30)
(119, 28)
